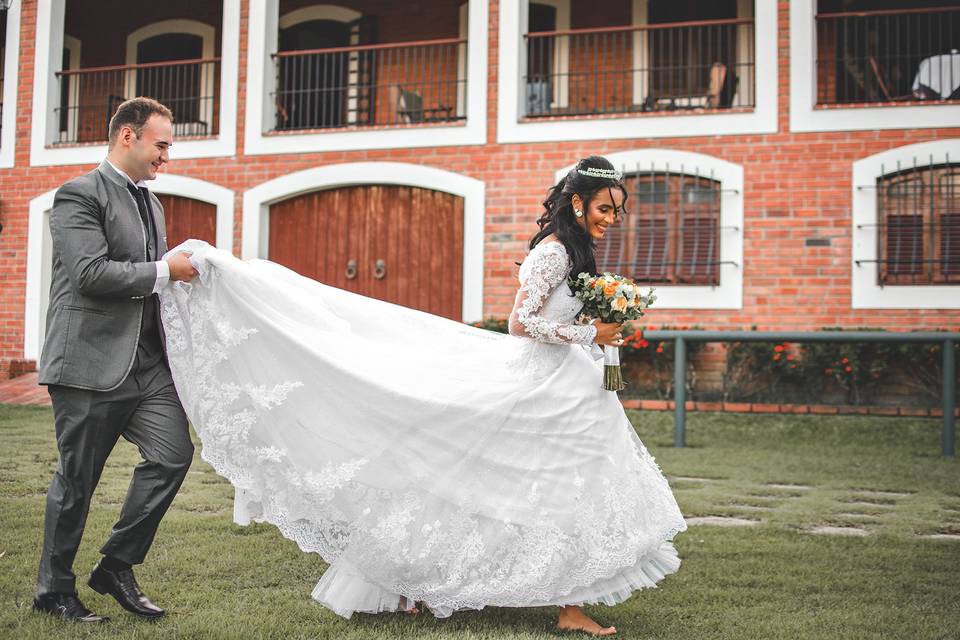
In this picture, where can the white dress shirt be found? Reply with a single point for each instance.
(163, 267)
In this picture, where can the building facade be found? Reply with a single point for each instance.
(791, 165)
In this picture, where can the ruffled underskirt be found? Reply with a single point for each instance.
(344, 591)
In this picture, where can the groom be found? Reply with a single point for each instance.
(105, 364)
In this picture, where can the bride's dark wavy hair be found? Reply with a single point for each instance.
(559, 219)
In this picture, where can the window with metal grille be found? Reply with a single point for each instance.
(919, 224)
(671, 233)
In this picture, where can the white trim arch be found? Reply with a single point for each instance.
(221, 197)
(11, 67)
(207, 35)
(318, 12)
(729, 293)
(865, 290)
(334, 13)
(204, 31)
(257, 201)
(40, 246)
(39, 261)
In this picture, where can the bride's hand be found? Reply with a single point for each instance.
(608, 333)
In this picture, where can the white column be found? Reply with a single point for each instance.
(745, 70)
(641, 52)
(269, 16)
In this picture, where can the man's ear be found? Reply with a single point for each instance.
(127, 135)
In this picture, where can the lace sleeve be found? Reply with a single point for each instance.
(547, 268)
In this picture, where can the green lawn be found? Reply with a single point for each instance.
(772, 580)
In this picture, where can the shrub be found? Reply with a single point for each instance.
(500, 325)
(649, 364)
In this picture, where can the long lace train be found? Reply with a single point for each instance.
(420, 457)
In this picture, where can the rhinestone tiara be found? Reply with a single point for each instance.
(596, 172)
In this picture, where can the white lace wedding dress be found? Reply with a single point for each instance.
(422, 458)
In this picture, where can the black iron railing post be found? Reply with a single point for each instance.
(949, 399)
(680, 391)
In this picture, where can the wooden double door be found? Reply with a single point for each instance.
(395, 243)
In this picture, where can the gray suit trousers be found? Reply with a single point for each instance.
(144, 410)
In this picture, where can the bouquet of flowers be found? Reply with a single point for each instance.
(611, 298)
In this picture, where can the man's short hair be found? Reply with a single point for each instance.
(134, 113)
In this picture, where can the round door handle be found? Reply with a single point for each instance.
(380, 270)
(351, 269)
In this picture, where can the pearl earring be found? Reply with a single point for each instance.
(578, 213)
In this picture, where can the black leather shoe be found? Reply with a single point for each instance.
(66, 606)
(125, 590)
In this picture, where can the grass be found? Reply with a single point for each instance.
(773, 580)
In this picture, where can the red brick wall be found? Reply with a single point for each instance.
(796, 185)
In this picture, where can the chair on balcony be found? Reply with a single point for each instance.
(719, 95)
(410, 109)
(885, 86)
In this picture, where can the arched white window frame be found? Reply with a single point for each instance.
(207, 34)
(804, 116)
(257, 201)
(865, 290)
(50, 16)
(512, 128)
(262, 42)
(11, 68)
(40, 245)
(729, 293)
(333, 13)
(561, 52)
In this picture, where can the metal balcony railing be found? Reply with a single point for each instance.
(671, 66)
(89, 97)
(888, 56)
(370, 85)
(949, 340)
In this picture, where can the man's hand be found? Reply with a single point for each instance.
(181, 268)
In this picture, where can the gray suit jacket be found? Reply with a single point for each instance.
(101, 274)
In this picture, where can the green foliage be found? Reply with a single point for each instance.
(500, 325)
(852, 373)
(762, 371)
(649, 364)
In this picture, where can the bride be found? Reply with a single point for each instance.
(423, 459)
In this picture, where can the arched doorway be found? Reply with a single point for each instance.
(189, 89)
(314, 87)
(397, 243)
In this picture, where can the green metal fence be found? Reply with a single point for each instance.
(949, 340)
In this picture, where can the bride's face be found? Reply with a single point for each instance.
(604, 210)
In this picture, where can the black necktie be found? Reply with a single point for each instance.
(140, 195)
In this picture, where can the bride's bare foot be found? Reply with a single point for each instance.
(409, 607)
(574, 619)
